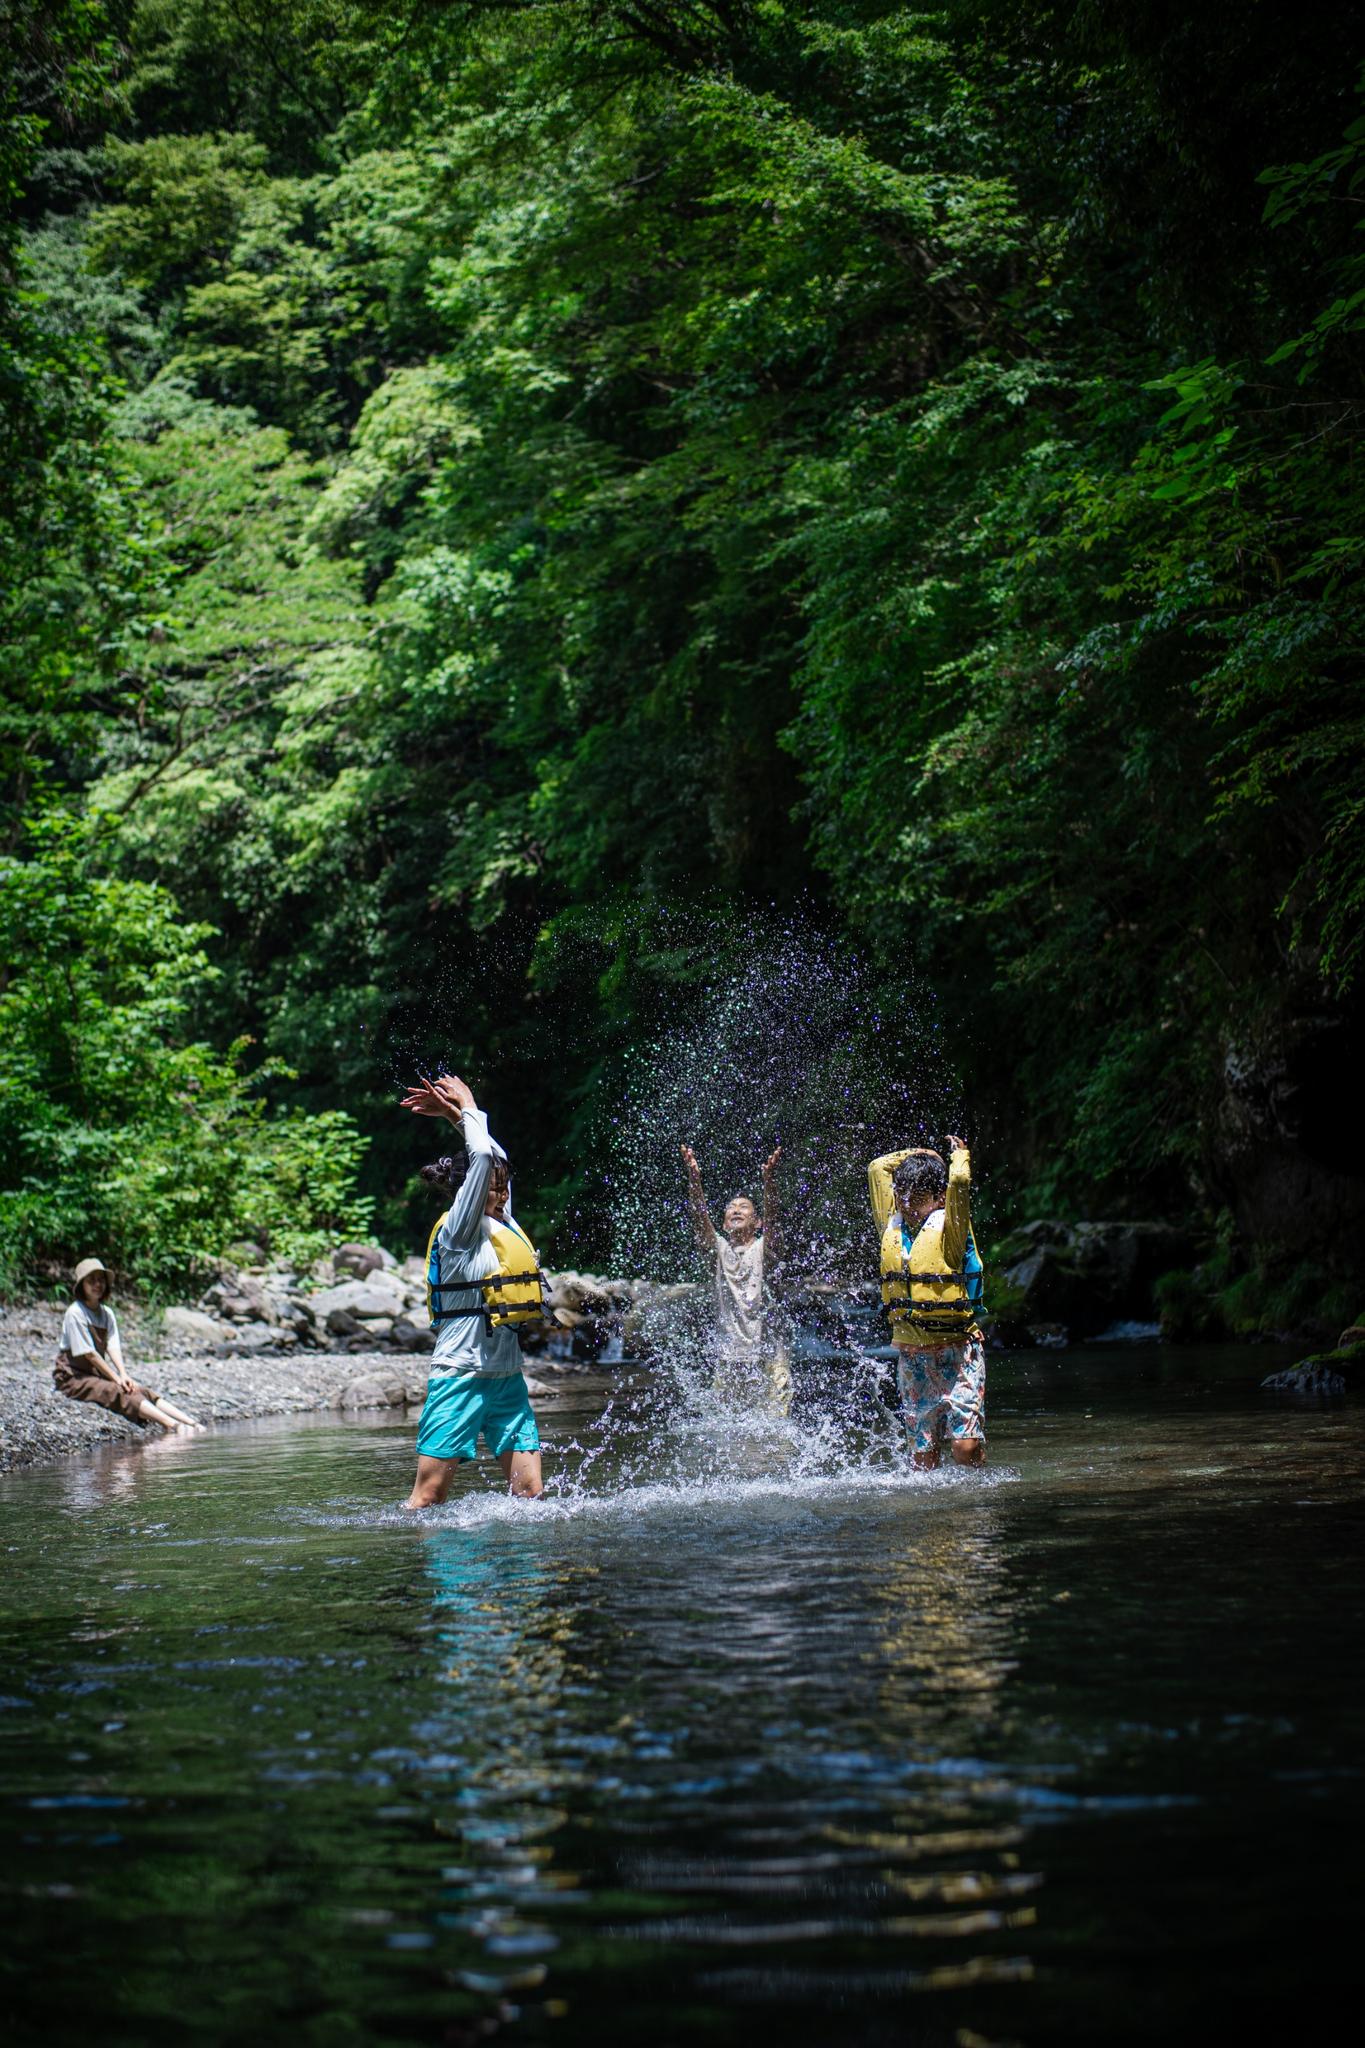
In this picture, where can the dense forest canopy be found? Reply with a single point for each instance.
(482, 476)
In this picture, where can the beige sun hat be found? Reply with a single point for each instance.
(89, 1266)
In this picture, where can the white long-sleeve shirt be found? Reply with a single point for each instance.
(464, 1343)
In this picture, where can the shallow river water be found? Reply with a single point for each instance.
(742, 1732)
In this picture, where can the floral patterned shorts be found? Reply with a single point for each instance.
(943, 1393)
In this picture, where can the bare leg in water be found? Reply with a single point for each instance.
(165, 1416)
(965, 1450)
(178, 1414)
(521, 1470)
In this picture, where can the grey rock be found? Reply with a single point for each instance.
(362, 1298)
(358, 1259)
(250, 1338)
(1313, 1377)
(362, 1259)
(341, 1323)
(580, 1293)
(410, 1336)
(373, 1390)
(1088, 1276)
(244, 1252)
(192, 1329)
(240, 1298)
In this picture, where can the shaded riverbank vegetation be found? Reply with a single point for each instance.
(479, 476)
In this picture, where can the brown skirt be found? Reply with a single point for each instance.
(92, 1386)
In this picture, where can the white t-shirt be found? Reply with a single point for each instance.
(92, 1329)
(739, 1298)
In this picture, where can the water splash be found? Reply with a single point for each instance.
(766, 1032)
(790, 1039)
(672, 1500)
(672, 1452)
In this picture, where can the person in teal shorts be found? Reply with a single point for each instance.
(483, 1283)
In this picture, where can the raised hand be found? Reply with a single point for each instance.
(770, 1163)
(445, 1096)
(955, 1144)
(456, 1092)
(702, 1227)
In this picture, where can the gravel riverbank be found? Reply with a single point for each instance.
(37, 1423)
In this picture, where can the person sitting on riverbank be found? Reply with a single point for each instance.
(931, 1289)
(90, 1363)
(750, 1360)
(483, 1281)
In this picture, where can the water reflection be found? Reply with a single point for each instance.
(502, 1662)
(720, 1738)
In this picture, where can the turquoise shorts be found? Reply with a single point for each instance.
(457, 1409)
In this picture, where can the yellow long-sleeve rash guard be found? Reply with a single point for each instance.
(939, 1248)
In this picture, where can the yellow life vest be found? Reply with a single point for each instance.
(515, 1294)
(922, 1299)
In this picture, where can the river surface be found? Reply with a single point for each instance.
(745, 1730)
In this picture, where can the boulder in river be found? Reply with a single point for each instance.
(1314, 1377)
(1086, 1276)
(1326, 1372)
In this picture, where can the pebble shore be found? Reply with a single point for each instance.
(37, 1423)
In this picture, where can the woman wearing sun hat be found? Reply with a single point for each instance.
(90, 1363)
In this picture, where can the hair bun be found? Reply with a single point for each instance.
(446, 1173)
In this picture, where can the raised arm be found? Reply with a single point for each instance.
(462, 1227)
(772, 1214)
(702, 1227)
(452, 1099)
(880, 1192)
(957, 1206)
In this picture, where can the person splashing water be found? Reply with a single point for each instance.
(483, 1282)
(751, 1362)
(931, 1289)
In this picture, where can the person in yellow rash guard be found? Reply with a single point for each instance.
(475, 1382)
(922, 1211)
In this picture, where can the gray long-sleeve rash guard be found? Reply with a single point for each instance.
(464, 1343)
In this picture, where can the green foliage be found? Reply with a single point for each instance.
(1216, 1302)
(119, 1132)
(585, 458)
(184, 198)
